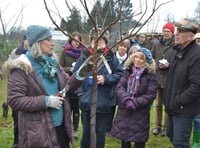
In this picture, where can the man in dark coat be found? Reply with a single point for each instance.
(161, 52)
(182, 95)
(107, 76)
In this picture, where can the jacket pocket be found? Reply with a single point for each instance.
(37, 135)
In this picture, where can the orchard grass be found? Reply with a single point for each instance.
(6, 128)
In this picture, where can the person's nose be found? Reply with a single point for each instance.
(52, 43)
(136, 59)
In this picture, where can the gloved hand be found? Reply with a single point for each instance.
(55, 102)
(129, 105)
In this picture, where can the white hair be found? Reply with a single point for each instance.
(36, 50)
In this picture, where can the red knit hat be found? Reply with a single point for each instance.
(170, 26)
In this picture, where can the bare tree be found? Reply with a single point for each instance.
(197, 12)
(7, 25)
(142, 11)
(169, 18)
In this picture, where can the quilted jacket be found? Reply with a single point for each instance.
(133, 125)
(26, 95)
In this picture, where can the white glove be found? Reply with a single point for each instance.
(55, 102)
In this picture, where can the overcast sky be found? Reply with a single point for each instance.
(35, 13)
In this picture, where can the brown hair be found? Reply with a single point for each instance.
(126, 43)
(76, 33)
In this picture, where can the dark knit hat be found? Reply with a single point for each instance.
(170, 26)
(36, 33)
(148, 54)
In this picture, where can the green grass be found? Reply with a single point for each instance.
(6, 124)
(6, 128)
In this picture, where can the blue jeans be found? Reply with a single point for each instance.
(101, 124)
(179, 131)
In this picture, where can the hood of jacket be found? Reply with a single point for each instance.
(21, 62)
(151, 68)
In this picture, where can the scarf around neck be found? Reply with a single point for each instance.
(121, 59)
(73, 51)
(48, 65)
(165, 42)
(133, 80)
(100, 51)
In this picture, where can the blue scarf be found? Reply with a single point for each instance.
(48, 65)
(133, 80)
(73, 51)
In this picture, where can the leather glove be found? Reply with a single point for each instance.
(55, 102)
(129, 105)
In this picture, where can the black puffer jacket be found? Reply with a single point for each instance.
(182, 94)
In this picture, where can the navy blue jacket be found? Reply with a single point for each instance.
(103, 91)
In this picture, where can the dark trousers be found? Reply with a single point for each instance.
(62, 137)
(73, 101)
(101, 122)
(128, 145)
(179, 131)
(110, 118)
(15, 120)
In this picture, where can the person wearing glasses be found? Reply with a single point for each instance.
(182, 95)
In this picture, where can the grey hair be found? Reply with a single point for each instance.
(133, 49)
(36, 50)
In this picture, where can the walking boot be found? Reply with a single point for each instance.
(156, 131)
(164, 132)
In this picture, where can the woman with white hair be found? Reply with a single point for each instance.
(34, 90)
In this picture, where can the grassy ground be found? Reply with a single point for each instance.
(6, 128)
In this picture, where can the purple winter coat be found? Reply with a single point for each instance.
(129, 125)
(26, 94)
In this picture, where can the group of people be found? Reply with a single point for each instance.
(177, 58)
(46, 91)
(181, 96)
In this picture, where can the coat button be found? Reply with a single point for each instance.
(181, 107)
